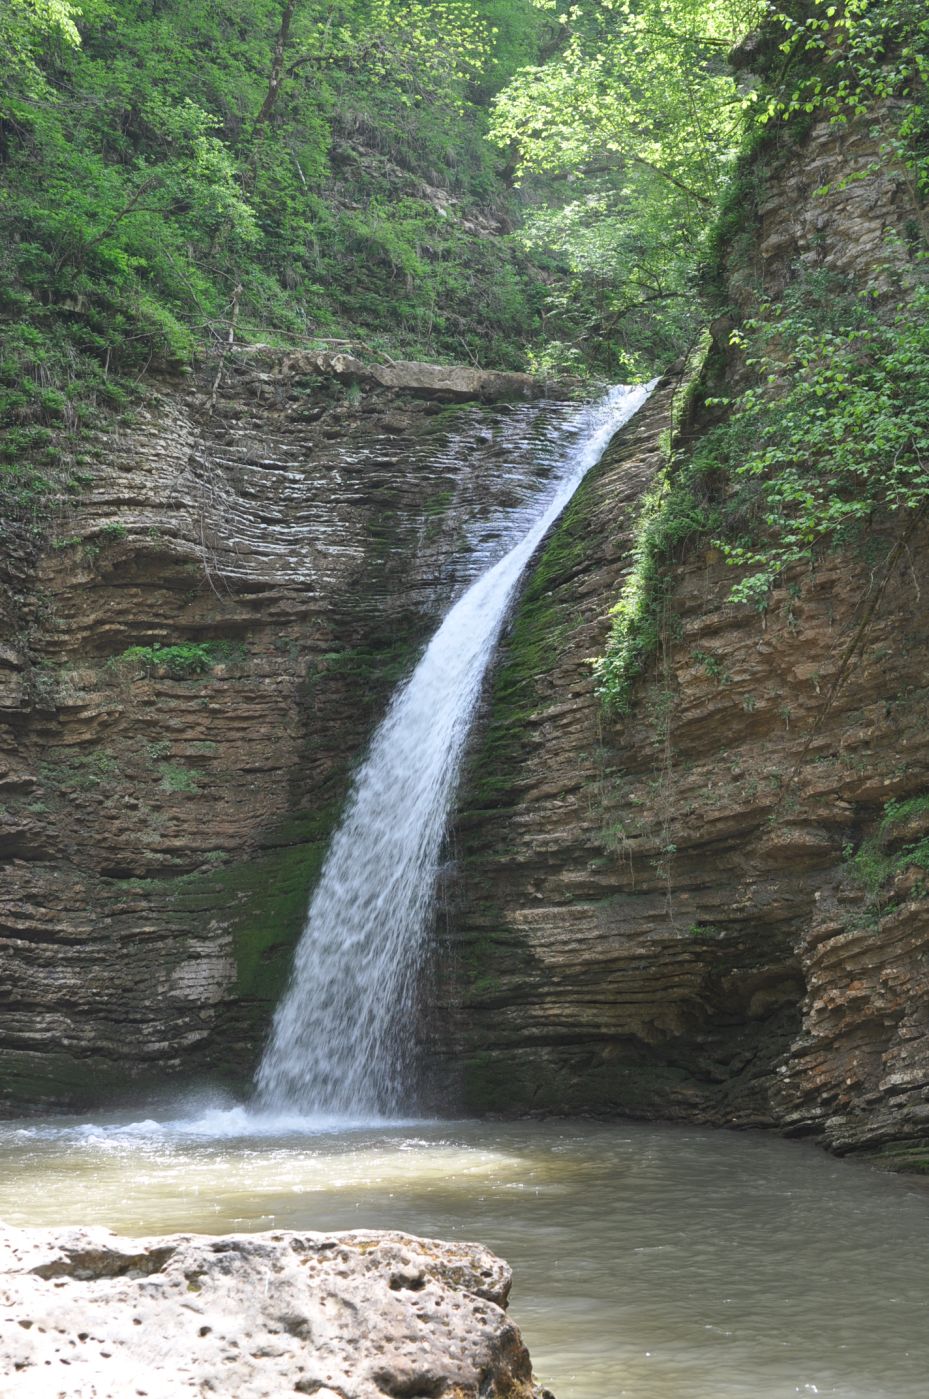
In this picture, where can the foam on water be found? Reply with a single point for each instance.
(650, 1261)
(237, 1122)
(341, 1042)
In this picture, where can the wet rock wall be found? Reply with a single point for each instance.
(710, 910)
(194, 655)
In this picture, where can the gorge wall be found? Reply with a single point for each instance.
(194, 654)
(706, 911)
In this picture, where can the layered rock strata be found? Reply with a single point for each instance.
(716, 908)
(192, 662)
(339, 1316)
(455, 383)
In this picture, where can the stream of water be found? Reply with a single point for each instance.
(341, 1041)
(650, 1262)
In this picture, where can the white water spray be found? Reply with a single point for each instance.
(341, 1042)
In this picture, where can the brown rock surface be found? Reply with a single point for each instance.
(667, 915)
(163, 817)
(659, 916)
(341, 1316)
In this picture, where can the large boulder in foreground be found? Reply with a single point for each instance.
(339, 1316)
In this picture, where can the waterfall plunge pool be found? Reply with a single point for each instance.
(650, 1261)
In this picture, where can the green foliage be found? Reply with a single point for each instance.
(26, 27)
(79, 772)
(153, 177)
(639, 110)
(705, 932)
(677, 509)
(859, 58)
(834, 428)
(897, 813)
(147, 170)
(672, 514)
(183, 660)
(621, 302)
(175, 778)
(639, 84)
(889, 853)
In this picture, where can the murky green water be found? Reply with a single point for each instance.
(651, 1262)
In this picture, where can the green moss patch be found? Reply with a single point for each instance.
(538, 627)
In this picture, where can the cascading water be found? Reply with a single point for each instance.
(340, 1045)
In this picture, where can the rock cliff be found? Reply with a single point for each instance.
(341, 1316)
(194, 654)
(706, 911)
(675, 914)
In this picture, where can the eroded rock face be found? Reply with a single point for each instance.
(449, 383)
(163, 815)
(339, 1316)
(667, 915)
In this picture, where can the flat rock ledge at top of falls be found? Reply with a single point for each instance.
(448, 383)
(90, 1315)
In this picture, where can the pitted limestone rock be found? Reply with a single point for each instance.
(356, 1315)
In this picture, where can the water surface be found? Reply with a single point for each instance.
(651, 1262)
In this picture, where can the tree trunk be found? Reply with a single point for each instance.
(277, 65)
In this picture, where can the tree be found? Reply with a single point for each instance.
(26, 27)
(639, 114)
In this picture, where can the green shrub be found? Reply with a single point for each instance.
(175, 778)
(834, 429)
(881, 857)
(184, 659)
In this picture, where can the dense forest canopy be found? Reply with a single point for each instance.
(350, 169)
(518, 183)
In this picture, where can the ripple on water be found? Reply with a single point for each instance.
(654, 1262)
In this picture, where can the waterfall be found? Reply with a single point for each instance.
(341, 1041)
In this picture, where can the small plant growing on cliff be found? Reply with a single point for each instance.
(183, 660)
(175, 778)
(79, 771)
(892, 850)
(705, 932)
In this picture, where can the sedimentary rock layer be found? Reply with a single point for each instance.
(284, 548)
(339, 1316)
(673, 913)
(449, 383)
